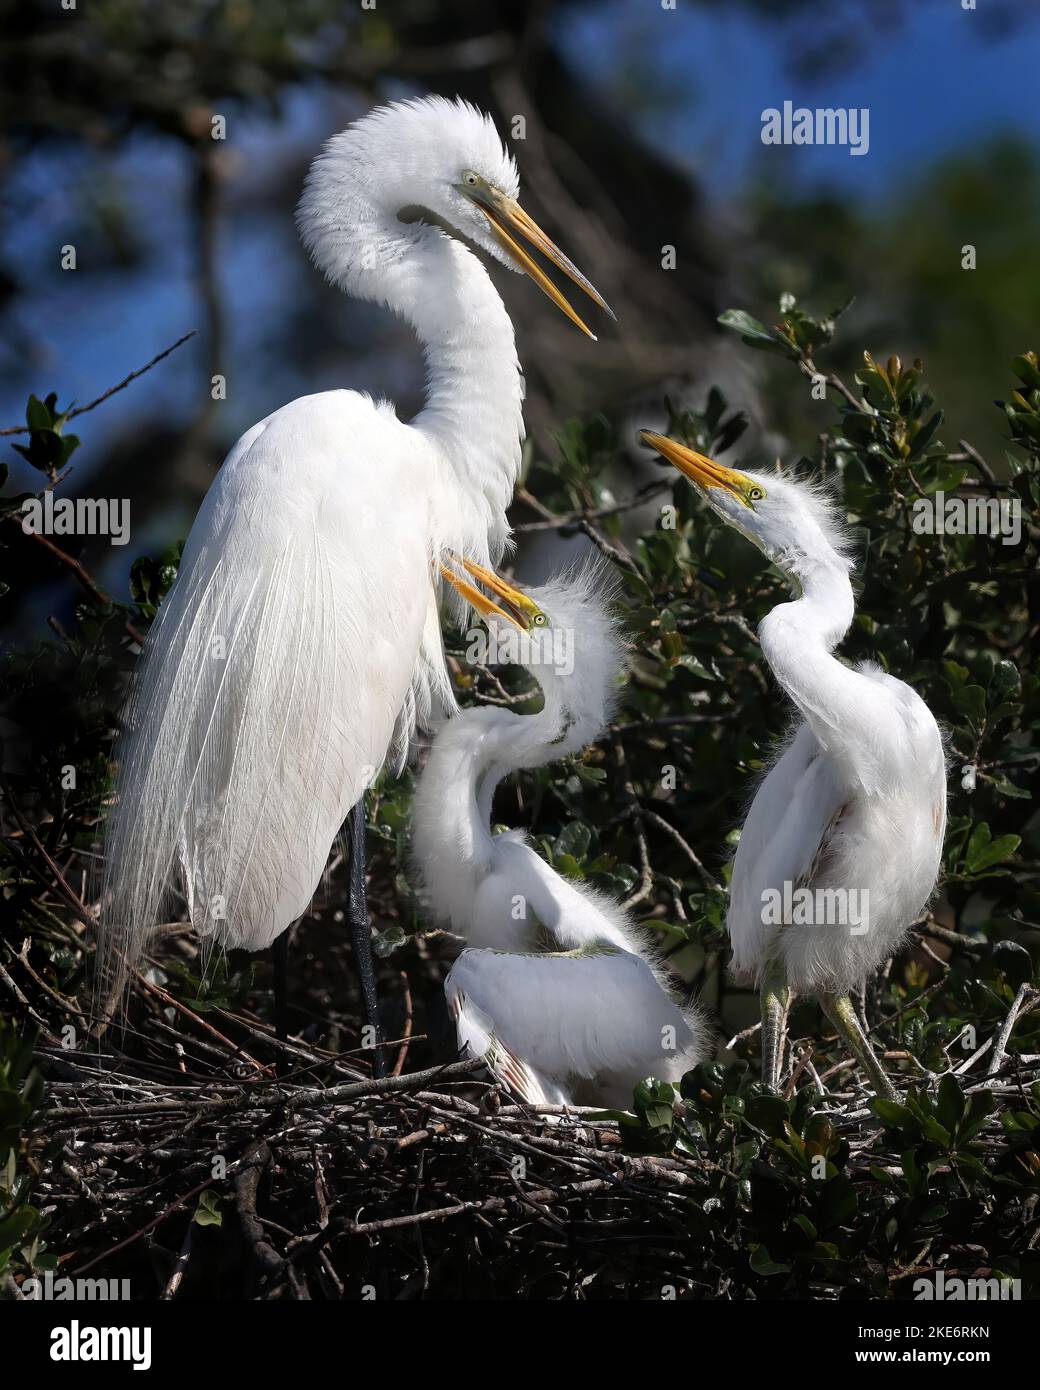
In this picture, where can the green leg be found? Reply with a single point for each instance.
(839, 1009)
(775, 1000)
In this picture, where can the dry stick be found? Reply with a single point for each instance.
(82, 410)
(66, 1005)
(313, 1059)
(168, 999)
(40, 1022)
(398, 1066)
(98, 595)
(978, 460)
(544, 1194)
(967, 944)
(245, 1183)
(558, 520)
(72, 899)
(1003, 1037)
(646, 877)
(149, 1226)
(620, 557)
(314, 1096)
(180, 1265)
(662, 824)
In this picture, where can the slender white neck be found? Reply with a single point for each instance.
(826, 604)
(525, 740)
(472, 415)
(452, 840)
(798, 640)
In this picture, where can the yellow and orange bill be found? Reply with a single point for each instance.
(700, 469)
(515, 607)
(509, 222)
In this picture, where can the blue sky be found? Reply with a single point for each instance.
(934, 84)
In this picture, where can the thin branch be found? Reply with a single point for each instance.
(1004, 1036)
(83, 575)
(120, 386)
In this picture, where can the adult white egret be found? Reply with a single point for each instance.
(301, 641)
(844, 837)
(561, 997)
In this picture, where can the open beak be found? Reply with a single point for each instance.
(509, 222)
(516, 607)
(700, 469)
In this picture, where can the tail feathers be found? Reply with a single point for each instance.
(477, 1038)
(586, 1025)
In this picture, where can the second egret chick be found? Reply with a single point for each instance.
(853, 813)
(562, 997)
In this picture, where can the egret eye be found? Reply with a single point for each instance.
(539, 620)
(470, 178)
(755, 494)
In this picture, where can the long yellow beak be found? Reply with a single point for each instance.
(700, 469)
(519, 609)
(509, 221)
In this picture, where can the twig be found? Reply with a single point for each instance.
(978, 460)
(180, 1265)
(1003, 1037)
(246, 1182)
(97, 594)
(398, 1066)
(82, 410)
(652, 818)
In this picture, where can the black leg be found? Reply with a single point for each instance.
(360, 932)
(280, 964)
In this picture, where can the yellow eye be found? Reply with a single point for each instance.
(539, 620)
(755, 494)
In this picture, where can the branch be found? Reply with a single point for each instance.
(97, 594)
(120, 386)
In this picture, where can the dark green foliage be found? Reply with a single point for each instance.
(21, 1094)
(809, 1195)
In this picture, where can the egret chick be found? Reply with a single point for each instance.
(562, 996)
(849, 822)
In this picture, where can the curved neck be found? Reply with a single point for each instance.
(474, 390)
(525, 741)
(798, 640)
(452, 836)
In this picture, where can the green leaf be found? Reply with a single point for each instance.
(982, 852)
(891, 1113)
(208, 1212)
(951, 1102)
(762, 1263)
(574, 841)
(37, 416)
(752, 332)
(981, 1105)
(970, 700)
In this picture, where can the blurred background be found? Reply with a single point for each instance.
(643, 131)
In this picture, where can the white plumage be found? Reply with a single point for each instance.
(562, 996)
(301, 641)
(856, 802)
